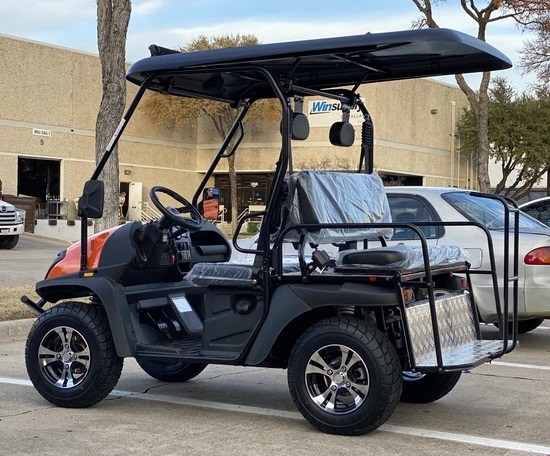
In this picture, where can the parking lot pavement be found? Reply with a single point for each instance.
(496, 409)
(29, 261)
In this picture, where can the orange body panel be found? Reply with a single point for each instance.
(71, 263)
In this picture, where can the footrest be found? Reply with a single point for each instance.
(468, 354)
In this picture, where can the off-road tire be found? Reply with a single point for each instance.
(426, 388)
(8, 242)
(372, 366)
(174, 372)
(72, 342)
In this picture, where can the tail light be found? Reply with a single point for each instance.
(463, 282)
(408, 294)
(540, 255)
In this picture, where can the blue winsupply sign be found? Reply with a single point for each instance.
(319, 107)
(332, 111)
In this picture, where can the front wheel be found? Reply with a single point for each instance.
(344, 376)
(166, 371)
(8, 242)
(70, 355)
(423, 388)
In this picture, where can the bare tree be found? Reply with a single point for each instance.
(494, 11)
(325, 164)
(113, 17)
(535, 17)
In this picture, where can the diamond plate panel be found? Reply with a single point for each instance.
(456, 324)
(468, 353)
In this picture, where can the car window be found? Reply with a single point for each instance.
(410, 209)
(540, 211)
(488, 212)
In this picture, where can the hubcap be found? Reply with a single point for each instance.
(64, 357)
(337, 379)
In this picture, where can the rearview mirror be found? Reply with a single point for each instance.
(210, 205)
(90, 204)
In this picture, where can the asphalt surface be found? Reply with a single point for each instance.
(28, 261)
(497, 409)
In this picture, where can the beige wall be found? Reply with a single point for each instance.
(59, 90)
(413, 128)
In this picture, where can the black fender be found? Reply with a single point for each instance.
(292, 300)
(110, 293)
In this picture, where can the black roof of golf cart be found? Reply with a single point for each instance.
(321, 67)
(316, 64)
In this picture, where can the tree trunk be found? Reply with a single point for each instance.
(113, 17)
(482, 155)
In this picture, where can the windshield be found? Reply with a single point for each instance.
(488, 212)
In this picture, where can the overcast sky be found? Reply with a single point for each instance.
(171, 23)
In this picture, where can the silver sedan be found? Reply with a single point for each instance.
(410, 204)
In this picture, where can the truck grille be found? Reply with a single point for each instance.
(7, 215)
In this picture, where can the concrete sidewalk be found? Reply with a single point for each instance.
(15, 329)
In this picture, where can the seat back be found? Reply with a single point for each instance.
(337, 197)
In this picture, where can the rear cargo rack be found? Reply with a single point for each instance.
(442, 333)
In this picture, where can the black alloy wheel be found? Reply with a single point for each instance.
(166, 371)
(344, 376)
(70, 355)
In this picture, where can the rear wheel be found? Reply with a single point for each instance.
(525, 326)
(344, 376)
(423, 388)
(166, 371)
(70, 355)
(528, 325)
(8, 242)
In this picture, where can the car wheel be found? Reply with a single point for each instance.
(344, 376)
(525, 326)
(8, 242)
(70, 355)
(423, 388)
(528, 325)
(166, 371)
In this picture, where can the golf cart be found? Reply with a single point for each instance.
(358, 330)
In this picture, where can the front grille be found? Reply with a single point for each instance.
(7, 216)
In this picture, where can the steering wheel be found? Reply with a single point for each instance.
(173, 214)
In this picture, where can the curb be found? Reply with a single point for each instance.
(12, 330)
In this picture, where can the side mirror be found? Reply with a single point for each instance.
(210, 205)
(90, 204)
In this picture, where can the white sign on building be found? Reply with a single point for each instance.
(323, 113)
(40, 132)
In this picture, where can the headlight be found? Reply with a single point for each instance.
(19, 216)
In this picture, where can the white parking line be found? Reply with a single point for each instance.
(448, 436)
(522, 366)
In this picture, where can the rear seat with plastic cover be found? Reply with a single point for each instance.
(334, 197)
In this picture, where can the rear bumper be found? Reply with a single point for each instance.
(536, 288)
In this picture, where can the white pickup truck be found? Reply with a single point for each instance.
(11, 225)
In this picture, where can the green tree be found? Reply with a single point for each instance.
(518, 132)
(493, 11)
(167, 110)
(113, 17)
